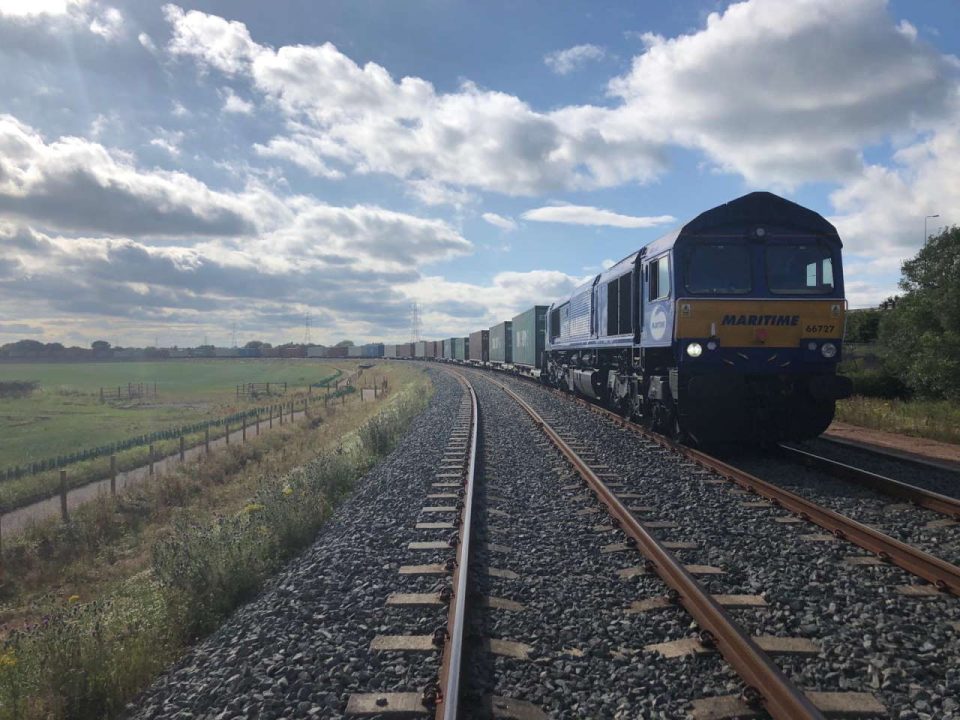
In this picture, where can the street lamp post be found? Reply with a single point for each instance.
(925, 236)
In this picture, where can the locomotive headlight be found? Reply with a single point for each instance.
(694, 350)
(828, 350)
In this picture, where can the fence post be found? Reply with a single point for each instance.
(113, 474)
(206, 440)
(182, 449)
(270, 415)
(151, 458)
(63, 496)
(258, 423)
(101, 395)
(280, 406)
(227, 434)
(243, 430)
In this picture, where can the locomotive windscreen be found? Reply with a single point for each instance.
(715, 269)
(800, 269)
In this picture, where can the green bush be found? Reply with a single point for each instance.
(878, 384)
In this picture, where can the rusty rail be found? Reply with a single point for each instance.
(780, 697)
(888, 486)
(945, 576)
(450, 659)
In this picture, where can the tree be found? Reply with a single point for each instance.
(344, 343)
(100, 345)
(862, 326)
(921, 332)
(257, 345)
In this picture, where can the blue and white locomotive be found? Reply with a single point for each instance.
(726, 330)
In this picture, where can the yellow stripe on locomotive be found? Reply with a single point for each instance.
(760, 322)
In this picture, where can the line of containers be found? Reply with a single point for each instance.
(518, 342)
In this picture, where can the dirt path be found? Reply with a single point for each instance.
(15, 521)
(907, 445)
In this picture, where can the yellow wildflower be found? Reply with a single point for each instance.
(252, 508)
(7, 660)
(73, 598)
(287, 490)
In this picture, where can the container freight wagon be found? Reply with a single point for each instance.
(372, 350)
(430, 350)
(501, 343)
(405, 350)
(337, 352)
(448, 349)
(479, 347)
(354, 351)
(460, 349)
(529, 330)
(390, 351)
(420, 349)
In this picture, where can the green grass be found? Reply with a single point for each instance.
(65, 414)
(934, 419)
(86, 659)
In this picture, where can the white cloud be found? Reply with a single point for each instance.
(233, 103)
(214, 41)
(563, 62)
(433, 193)
(785, 93)
(586, 215)
(108, 24)
(147, 42)
(26, 8)
(79, 185)
(168, 140)
(881, 211)
(362, 117)
(504, 223)
(302, 150)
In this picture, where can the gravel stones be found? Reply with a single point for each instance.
(905, 650)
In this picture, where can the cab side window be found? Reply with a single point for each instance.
(658, 273)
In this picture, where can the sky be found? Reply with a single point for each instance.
(170, 172)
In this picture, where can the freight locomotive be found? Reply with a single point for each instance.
(727, 330)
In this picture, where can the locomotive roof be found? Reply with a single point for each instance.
(756, 209)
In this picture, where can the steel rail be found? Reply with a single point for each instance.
(945, 576)
(888, 486)
(781, 698)
(448, 700)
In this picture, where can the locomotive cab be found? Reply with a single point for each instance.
(757, 316)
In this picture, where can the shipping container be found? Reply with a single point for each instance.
(389, 351)
(457, 344)
(448, 349)
(420, 349)
(295, 351)
(528, 336)
(429, 349)
(372, 350)
(405, 350)
(501, 343)
(337, 352)
(315, 351)
(354, 351)
(479, 346)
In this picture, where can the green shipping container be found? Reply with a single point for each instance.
(501, 343)
(529, 330)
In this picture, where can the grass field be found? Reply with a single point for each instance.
(934, 419)
(66, 414)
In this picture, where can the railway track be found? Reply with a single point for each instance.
(921, 497)
(944, 577)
